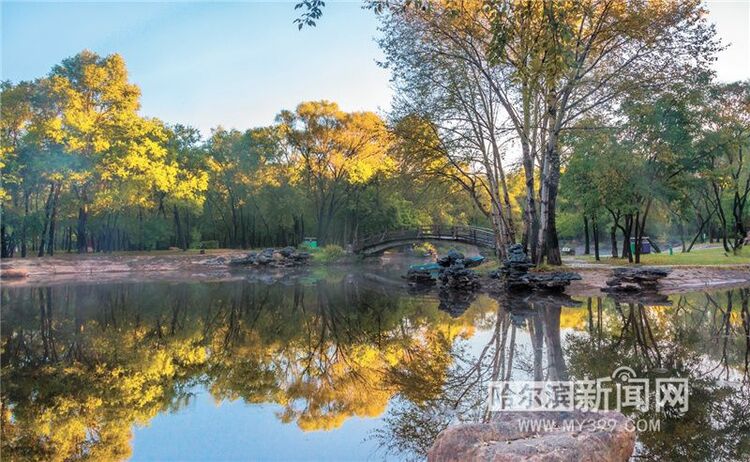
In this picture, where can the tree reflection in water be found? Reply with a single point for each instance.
(82, 364)
(703, 336)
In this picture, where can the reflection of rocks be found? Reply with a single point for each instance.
(455, 302)
(454, 275)
(646, 298)
(537, 300)
(274, 258)
(506, 439)
(521, 306)
(516, 276)
(420, 277)
(552, 282)
(635, 279)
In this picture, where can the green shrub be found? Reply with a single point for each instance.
(209, 245)
(328, 254)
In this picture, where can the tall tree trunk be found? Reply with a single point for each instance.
(47, 216)
(531, 221)
(81, 234)
(681, 232)
(627, 232)
(186, 233)
(549, 247)
(25, 225)
(613, 240)
(4, 243)
(721, 215)
(587, 248)
(595, 229)
(141, 243)
(641, 229)
(179, 235)
(53, 220)
(531, 218)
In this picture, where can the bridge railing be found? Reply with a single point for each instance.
(470, 234)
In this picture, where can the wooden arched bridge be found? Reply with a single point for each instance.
(377, 243)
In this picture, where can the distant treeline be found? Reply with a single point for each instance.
(83, 171)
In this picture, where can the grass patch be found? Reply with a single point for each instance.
(547, 268)
(489, 264)
(328, 254)
(696, 257)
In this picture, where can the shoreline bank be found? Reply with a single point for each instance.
(167, 266)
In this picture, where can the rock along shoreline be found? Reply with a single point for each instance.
(194, 266)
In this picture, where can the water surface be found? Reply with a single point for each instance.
(346, 365)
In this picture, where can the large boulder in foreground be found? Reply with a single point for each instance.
(506, 439)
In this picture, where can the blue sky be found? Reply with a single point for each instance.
(232, 64)
(237, 64)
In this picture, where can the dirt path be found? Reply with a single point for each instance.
(680, 280)
(101, 268)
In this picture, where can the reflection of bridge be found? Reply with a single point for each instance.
(377, 243)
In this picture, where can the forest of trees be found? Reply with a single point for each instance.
(541, 120)
(83, 171)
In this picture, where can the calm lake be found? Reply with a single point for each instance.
(339, 365)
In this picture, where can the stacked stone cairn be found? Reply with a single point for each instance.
(273, 258)
(454, 275)
(516, 276)
(635, 279)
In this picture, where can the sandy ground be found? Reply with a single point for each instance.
(681, 279)
(104, 268)
(193, 266)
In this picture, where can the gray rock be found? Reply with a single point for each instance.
(516, 276)
(287, 251)
(281, 258)
(453, 257)
(553, 282)
(644, 279)
(457, 277)
(505, 439)
(218, 261)
(516, 254)
(454, 274)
